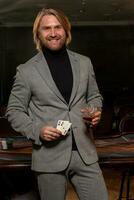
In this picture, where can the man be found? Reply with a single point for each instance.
(58, 84)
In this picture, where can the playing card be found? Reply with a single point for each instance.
(66, 125)
(60, 122)
(63, 126)
(60, 126)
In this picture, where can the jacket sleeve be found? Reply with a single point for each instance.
(17, 108)
(93, 94)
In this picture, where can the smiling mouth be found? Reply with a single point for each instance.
(54, 41)
(54, 38)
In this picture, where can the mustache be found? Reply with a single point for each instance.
(53, 38)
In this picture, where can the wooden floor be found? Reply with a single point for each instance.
(112, 179)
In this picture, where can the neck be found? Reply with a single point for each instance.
(47, 51)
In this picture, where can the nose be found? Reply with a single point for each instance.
(53, 32)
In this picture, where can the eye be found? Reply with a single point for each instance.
(59, 27)
(47, 28)
(44, 28)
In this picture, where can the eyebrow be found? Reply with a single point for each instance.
(49, 26)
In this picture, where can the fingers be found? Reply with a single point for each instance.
(85, 112)
(96, 118)
(49, 133)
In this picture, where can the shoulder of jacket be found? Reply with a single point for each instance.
(29, 64)
(78, 55)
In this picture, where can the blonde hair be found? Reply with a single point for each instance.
(60, 17)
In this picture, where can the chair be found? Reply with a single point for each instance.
(126, 127)
(117, 150)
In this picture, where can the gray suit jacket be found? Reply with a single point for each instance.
(35, 101)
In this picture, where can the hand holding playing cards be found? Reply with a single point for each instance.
(49, 133)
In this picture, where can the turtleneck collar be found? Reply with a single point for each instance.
(48, 53)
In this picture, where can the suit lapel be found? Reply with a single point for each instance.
(76, 74)
(45, 73)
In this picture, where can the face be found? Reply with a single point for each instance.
(52, 33)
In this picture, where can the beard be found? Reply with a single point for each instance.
(53, 43)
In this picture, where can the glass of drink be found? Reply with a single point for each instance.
(88, 114)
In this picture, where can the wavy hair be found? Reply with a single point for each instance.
(60, 17)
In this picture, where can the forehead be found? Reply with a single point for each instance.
(49, 20)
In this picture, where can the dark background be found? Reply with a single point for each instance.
(110, 47)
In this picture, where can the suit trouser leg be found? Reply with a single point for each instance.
(87, 180)
(52, 186)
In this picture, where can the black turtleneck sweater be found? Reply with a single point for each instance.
(61, 71)
(60, 67)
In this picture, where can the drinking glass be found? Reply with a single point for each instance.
(88, 114)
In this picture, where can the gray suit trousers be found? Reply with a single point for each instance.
(86, 179)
